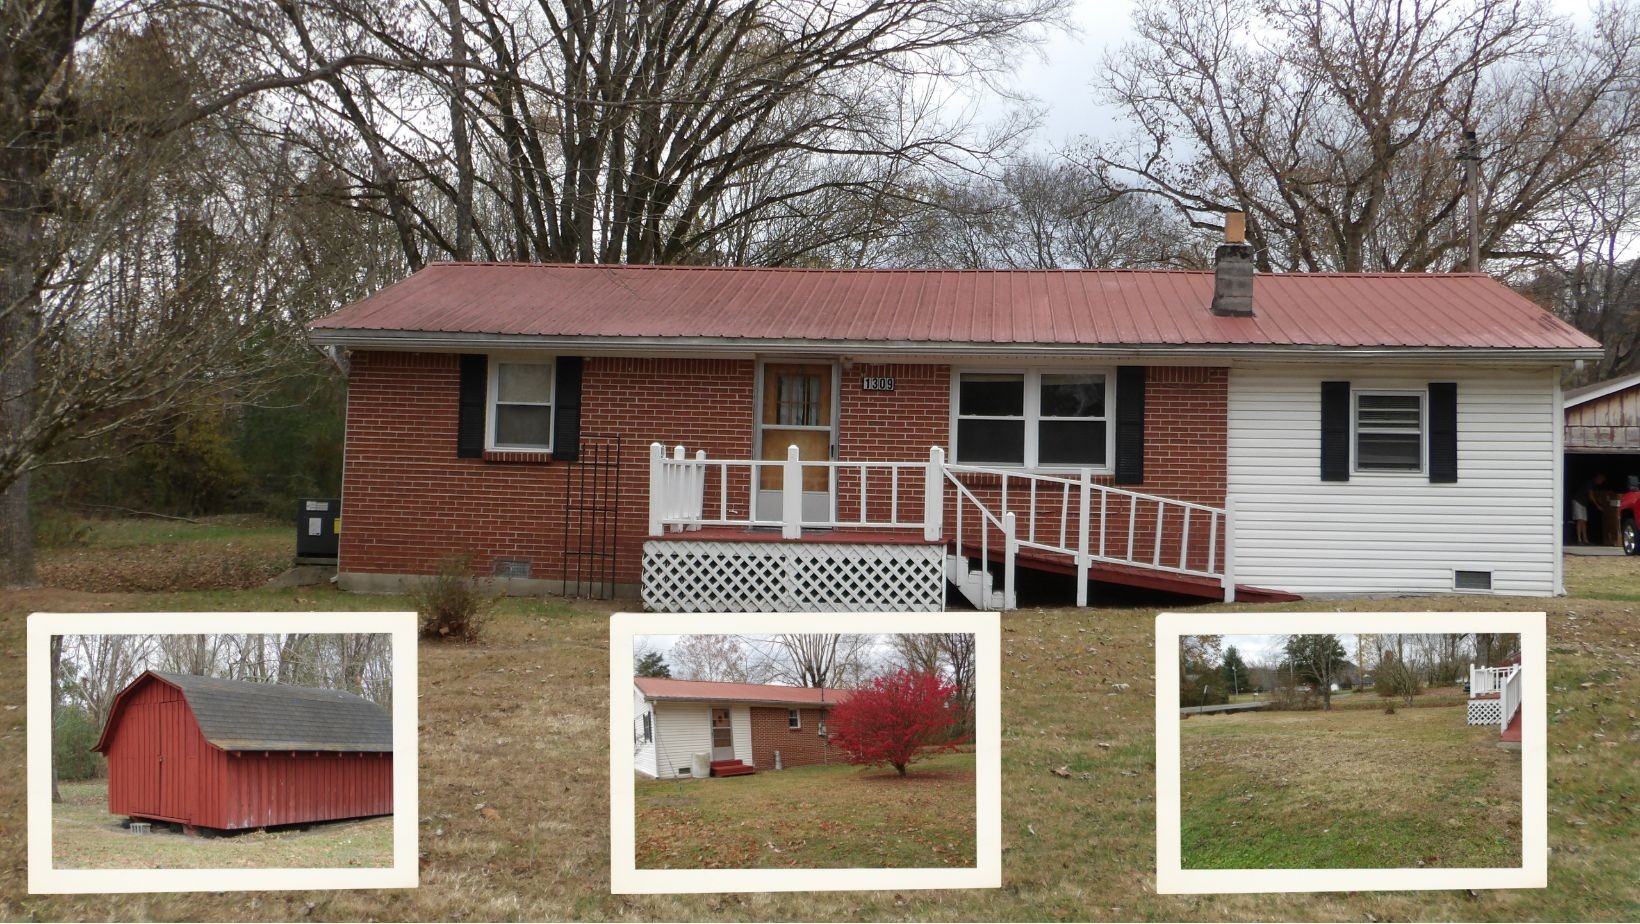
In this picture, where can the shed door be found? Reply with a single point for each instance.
(798, 408)
(723, 736)
(142, 721)
(173, 758)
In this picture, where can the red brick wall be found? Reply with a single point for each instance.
(407, 499)
(798, 747)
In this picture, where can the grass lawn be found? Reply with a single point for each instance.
(519, 724)
(812, 817)
(1346, 789)
(158, 555)
(85, 836)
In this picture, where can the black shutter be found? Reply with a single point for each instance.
(566, 409)
(475, 390)
(1130, 425)
(1443, 432)
(1335, 431)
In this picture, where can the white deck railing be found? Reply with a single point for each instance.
(1072, 516)
(1503, 682)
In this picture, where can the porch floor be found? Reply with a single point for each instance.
(1510, 738)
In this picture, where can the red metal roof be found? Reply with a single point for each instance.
(718, 691)
(1002, 307)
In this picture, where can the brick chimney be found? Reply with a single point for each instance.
(1233, 270)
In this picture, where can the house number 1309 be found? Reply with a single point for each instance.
(876, 383)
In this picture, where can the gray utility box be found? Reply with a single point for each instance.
(318, 522)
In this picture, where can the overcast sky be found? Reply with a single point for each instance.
(1259, 649)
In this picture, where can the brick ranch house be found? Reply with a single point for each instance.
(856, 439)
(743, 727)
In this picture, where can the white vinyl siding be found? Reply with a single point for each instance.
(740, 719)
(681, 730)
(1391, 532)
(643, 757)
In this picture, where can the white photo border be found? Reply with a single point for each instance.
(44, 878)
(627, 879)
(1533, 873)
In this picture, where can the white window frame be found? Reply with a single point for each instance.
(1033, 415)
(1422, 394)
(495, 363)
(794, 714)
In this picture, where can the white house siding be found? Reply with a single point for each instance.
(681, 731)
(1391, 532)
(643, 758)
(740, 720)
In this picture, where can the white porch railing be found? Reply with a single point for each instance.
(1503, 682)
(1075, 517)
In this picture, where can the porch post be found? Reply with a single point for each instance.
(1229, 549)
(1082, 563)
(934, 496)
(657, 456)
(1010, 548)
(791, 496)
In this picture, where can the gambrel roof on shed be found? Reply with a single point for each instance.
(611, 306)
(237, 715)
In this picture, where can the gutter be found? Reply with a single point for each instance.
(442, 341)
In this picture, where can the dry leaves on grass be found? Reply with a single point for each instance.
(165, 568)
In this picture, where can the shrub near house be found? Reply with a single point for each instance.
(896, 720)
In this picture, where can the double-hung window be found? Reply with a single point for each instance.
(1389, 431)
(794, 718)
(520, 405)
(1033, 419)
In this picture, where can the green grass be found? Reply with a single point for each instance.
(85, 836)
(124, 533)
(519, 722)
(1347, 790)
(812, 817)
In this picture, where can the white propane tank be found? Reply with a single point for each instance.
(702, 764)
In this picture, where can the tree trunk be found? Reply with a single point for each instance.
(19, 331)
(56, 687)
(901, 768)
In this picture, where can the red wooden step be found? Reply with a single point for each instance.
(731, 768)
(1512, 733)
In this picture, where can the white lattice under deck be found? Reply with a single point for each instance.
(1485, 712)
(680, 576)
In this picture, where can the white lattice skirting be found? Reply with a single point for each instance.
(680, 576)
(1485, 712)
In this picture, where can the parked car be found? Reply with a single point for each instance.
(1629, 515)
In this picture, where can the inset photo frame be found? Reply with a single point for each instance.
(878, 734)
(212, 752)
(1331, 752)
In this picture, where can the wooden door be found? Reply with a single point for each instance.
(798, 409)
(143, 721)
(723, 735)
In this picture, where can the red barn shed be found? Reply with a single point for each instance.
(207, 752)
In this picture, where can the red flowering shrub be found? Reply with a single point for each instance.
(896, 720)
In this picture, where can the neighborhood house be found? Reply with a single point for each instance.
(708, 728)
(767, 439)
(230, 754)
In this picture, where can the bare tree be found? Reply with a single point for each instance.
(813, 659)
(120, 298)
(919, 652)
(1333, 123)
(650, 132)
(56, 699)
(709, 657)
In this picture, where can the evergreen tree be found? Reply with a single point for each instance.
(653, 665)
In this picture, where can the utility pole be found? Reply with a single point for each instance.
(1470, 156)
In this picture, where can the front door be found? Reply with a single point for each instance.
(798, 409)
(723, 736)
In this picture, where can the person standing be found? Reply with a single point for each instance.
(1582, 502)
